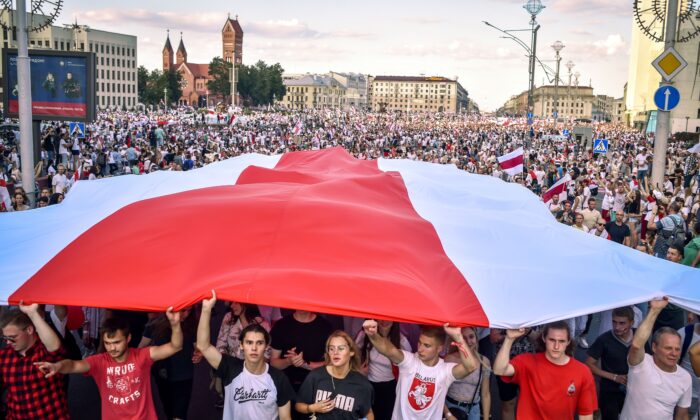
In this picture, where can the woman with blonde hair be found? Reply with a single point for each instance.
(469, 398)
(337, 390)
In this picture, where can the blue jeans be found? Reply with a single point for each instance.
(473, 414)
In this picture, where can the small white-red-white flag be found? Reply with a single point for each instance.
(559, 188)
(297, 128)
(512, 162)
(5, 200)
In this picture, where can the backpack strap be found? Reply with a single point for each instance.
(689, 331)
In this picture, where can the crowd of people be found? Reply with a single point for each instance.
(298, 364)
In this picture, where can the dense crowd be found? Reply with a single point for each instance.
(296, 364)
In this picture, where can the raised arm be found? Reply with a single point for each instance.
(501, 365)
(641, 336)
(382, 344)
(203, 333)
(46, 334)
(175, 344)
(466, 355)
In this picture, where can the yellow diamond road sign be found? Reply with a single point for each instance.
(669, 64)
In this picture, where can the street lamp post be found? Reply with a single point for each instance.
(533, 7)
(557, 46)
(569, 65)
(165, 99)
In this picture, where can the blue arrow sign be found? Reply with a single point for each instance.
(666, 98)
(555, 114)
(529, 115)
(600, 146)
(565, 132)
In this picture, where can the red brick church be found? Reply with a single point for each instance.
(195, 76)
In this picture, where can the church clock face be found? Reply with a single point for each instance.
(183, 83)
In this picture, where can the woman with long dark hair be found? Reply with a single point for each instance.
(337, 390)
(379, 369)
(173, 375)
(239, 316)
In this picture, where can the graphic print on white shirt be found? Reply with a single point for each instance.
(422, 392)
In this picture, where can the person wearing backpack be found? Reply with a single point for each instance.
(690, 334)
(670, 229)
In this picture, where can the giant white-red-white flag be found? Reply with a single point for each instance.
(512, 162)
(559, 188)
(322, 231)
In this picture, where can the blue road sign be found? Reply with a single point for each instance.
(666, 98)
(555, 114)
(77, 129)
(529, 115)
(565, 132)
(600, 146)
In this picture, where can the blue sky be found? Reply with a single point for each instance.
(444, 38)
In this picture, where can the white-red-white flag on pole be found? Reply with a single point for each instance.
(297, 128)
(512, 162)
(559, 188)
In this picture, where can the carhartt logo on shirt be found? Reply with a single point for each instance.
(241, 395)
(571, 389)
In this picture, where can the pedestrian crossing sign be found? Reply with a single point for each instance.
(600, 146)
(77, 129)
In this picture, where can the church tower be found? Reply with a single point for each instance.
(232, 40)
(181, 56)
(168, 54)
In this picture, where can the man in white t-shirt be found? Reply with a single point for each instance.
(254, 389)
(656, 386)
(685, 363)
(642, 165)
(60, 180)
(423, 376)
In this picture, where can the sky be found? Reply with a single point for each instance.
(446, 38)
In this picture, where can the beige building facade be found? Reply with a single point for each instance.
(574, 102)
(417, 94)
(313, 91)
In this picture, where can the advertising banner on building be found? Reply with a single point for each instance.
(63, 85)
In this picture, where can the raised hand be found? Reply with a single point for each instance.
(659, 304)
(208, 304)
(173, 317)
(28, 309)
(514, 334)
(370, 327)
(455, 333)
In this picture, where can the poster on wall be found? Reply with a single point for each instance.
(63, 85)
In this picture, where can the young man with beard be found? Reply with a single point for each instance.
(122, 374)
(254, 389)
(553, 385)
(610, 349)
(424, 377)
(657, 388)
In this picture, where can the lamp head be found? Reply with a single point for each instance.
(533, 7)
(558, 46)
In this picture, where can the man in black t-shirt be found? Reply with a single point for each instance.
(298, 342)
(619, 232)
(254, 389)
(610, 349)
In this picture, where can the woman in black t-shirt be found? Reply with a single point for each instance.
(337, 390)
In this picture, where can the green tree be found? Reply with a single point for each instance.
(221, 79)
(142, 77)
(260, 83)
(173, 81)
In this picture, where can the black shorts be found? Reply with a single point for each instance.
(506, 391)
(74, 152)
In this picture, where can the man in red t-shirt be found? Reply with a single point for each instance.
(122, 374)
(553, 385)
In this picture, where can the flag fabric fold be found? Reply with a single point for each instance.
(512, 163)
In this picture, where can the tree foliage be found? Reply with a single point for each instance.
(151, 86)
(221, 79)
(260, 83)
